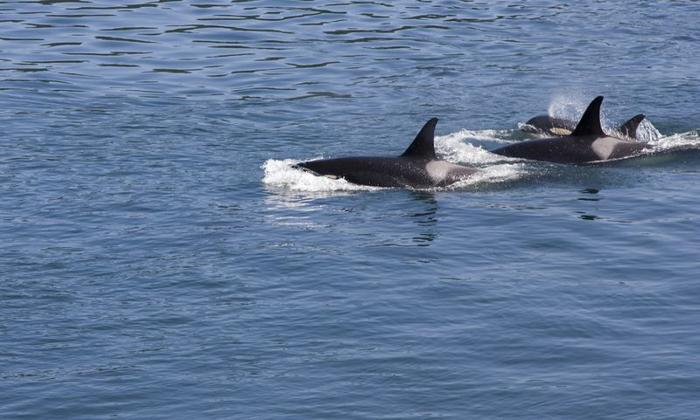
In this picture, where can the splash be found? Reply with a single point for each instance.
(569, 107)
(281, 173)
(494, 174)
(487, 135)
(646, 132)
(681, 141)
(453, 147)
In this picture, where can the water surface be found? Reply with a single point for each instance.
(159, 258)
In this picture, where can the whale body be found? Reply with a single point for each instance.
(417, 167)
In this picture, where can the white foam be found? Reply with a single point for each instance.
(687, 140)
(531, 129)
(281, 174)
(453, 147)
(498, 136)
(492, 175)
(646, 132)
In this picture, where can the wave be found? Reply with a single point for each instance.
(280, 173)
(680, 141)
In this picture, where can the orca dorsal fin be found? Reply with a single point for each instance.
(589, 125)
(629, 128)
(423, 145)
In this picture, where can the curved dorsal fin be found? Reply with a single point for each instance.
(629, 128)
(589, 125)
(423, 145)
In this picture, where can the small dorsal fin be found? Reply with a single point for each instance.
(423, 145)
(629, 128)
(589, 125)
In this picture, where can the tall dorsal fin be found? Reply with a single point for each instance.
(423, 145)
(629, 128)
(589, 125)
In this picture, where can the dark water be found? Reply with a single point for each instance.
(159, 258)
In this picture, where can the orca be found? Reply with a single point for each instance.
(545, 124)
(553, 126)
(586, 143)
(417, 167)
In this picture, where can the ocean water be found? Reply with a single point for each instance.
(160, 258)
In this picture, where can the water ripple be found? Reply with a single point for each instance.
(160, 258)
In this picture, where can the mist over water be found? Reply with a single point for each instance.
(160, 258)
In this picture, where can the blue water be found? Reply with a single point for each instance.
(159, 258)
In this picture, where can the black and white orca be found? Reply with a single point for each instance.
(417, 167)
(586, 143)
